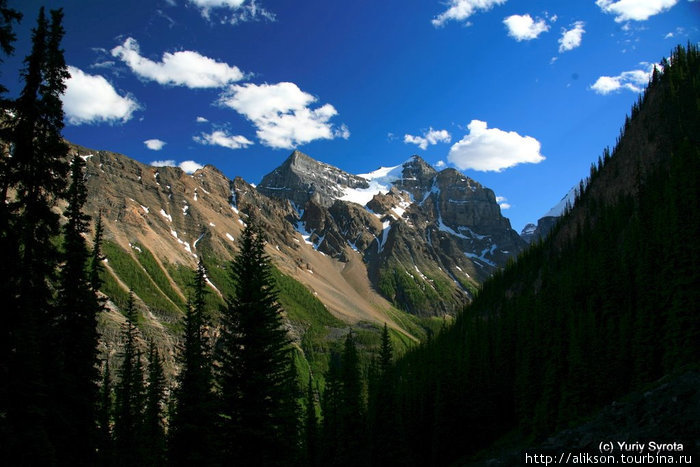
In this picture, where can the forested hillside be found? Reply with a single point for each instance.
(602, 307)
(606, 303)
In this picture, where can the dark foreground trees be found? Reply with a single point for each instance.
(49, 380)
(254, 356)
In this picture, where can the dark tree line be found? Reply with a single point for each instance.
(604, 305)
(49, 339)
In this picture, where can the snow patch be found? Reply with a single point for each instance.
(566, 202)
(166, 215)
(385, 235)
(144, 208)
(229, 236)
(198, 239)
(86, 157)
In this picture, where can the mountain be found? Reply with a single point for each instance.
(549, 219)
(357, 250)
(427, 238)
(592, 316)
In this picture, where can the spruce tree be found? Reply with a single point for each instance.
(331, 404)
(75, 334)
(311, 426)
(37, 177)
(104, 420)
(153, 423)
(128, 419)
(352, 436)
(8, 244)
(254, 357)
(191, 428)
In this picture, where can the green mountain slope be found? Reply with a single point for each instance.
(605, 304)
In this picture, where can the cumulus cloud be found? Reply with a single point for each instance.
(186, 166)
(282, 114)
(571, 38)
(164, 163)
(430, 137)
(460, 10)
(490, 149)
(154, 144)
(232, 11)
(524, 28)
(501, 200)
(90, 99)
(440, 164)
(202, 120)
(634, 80)
(223, 139)
(636, 10)
(184, 68)
(190, 166)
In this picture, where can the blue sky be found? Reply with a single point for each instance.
(521, 96)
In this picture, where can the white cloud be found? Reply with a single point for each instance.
(431, 137)
(490, 149)
(91, 99)
(154, 144)
(634, 80)
(190, 166)
(184, 68)
(164, 163)
(233, 11)
(524, 28)
(460, 10)
(186, 166)
(501, 200)
(202, 120)
(571, 38)
(440, 164)
(222, 138)
(637, 10)
(282, 114)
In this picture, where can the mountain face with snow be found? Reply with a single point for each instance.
(400, 239)
(549, 219)
(427, 239)
(301, 178)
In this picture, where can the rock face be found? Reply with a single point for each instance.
(406, 236)
(427, 238)
(301, 179)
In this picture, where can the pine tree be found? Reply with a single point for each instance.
(153, 427)
(384, 423)
(104, 420)
(128, 419)
(191, 428)
(311, 426)
(75, 334)
(96, 256)
(331, 404)
(37, 176)
(253, 360)
(8, 243)
(352, 410)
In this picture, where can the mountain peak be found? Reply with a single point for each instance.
(301, 178)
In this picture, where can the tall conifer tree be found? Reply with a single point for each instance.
(254, 358)
(128, 419)
(37, 176)
(75, 332)
(153, 423)
(191, 426)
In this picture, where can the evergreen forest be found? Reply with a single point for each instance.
(603, 306)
